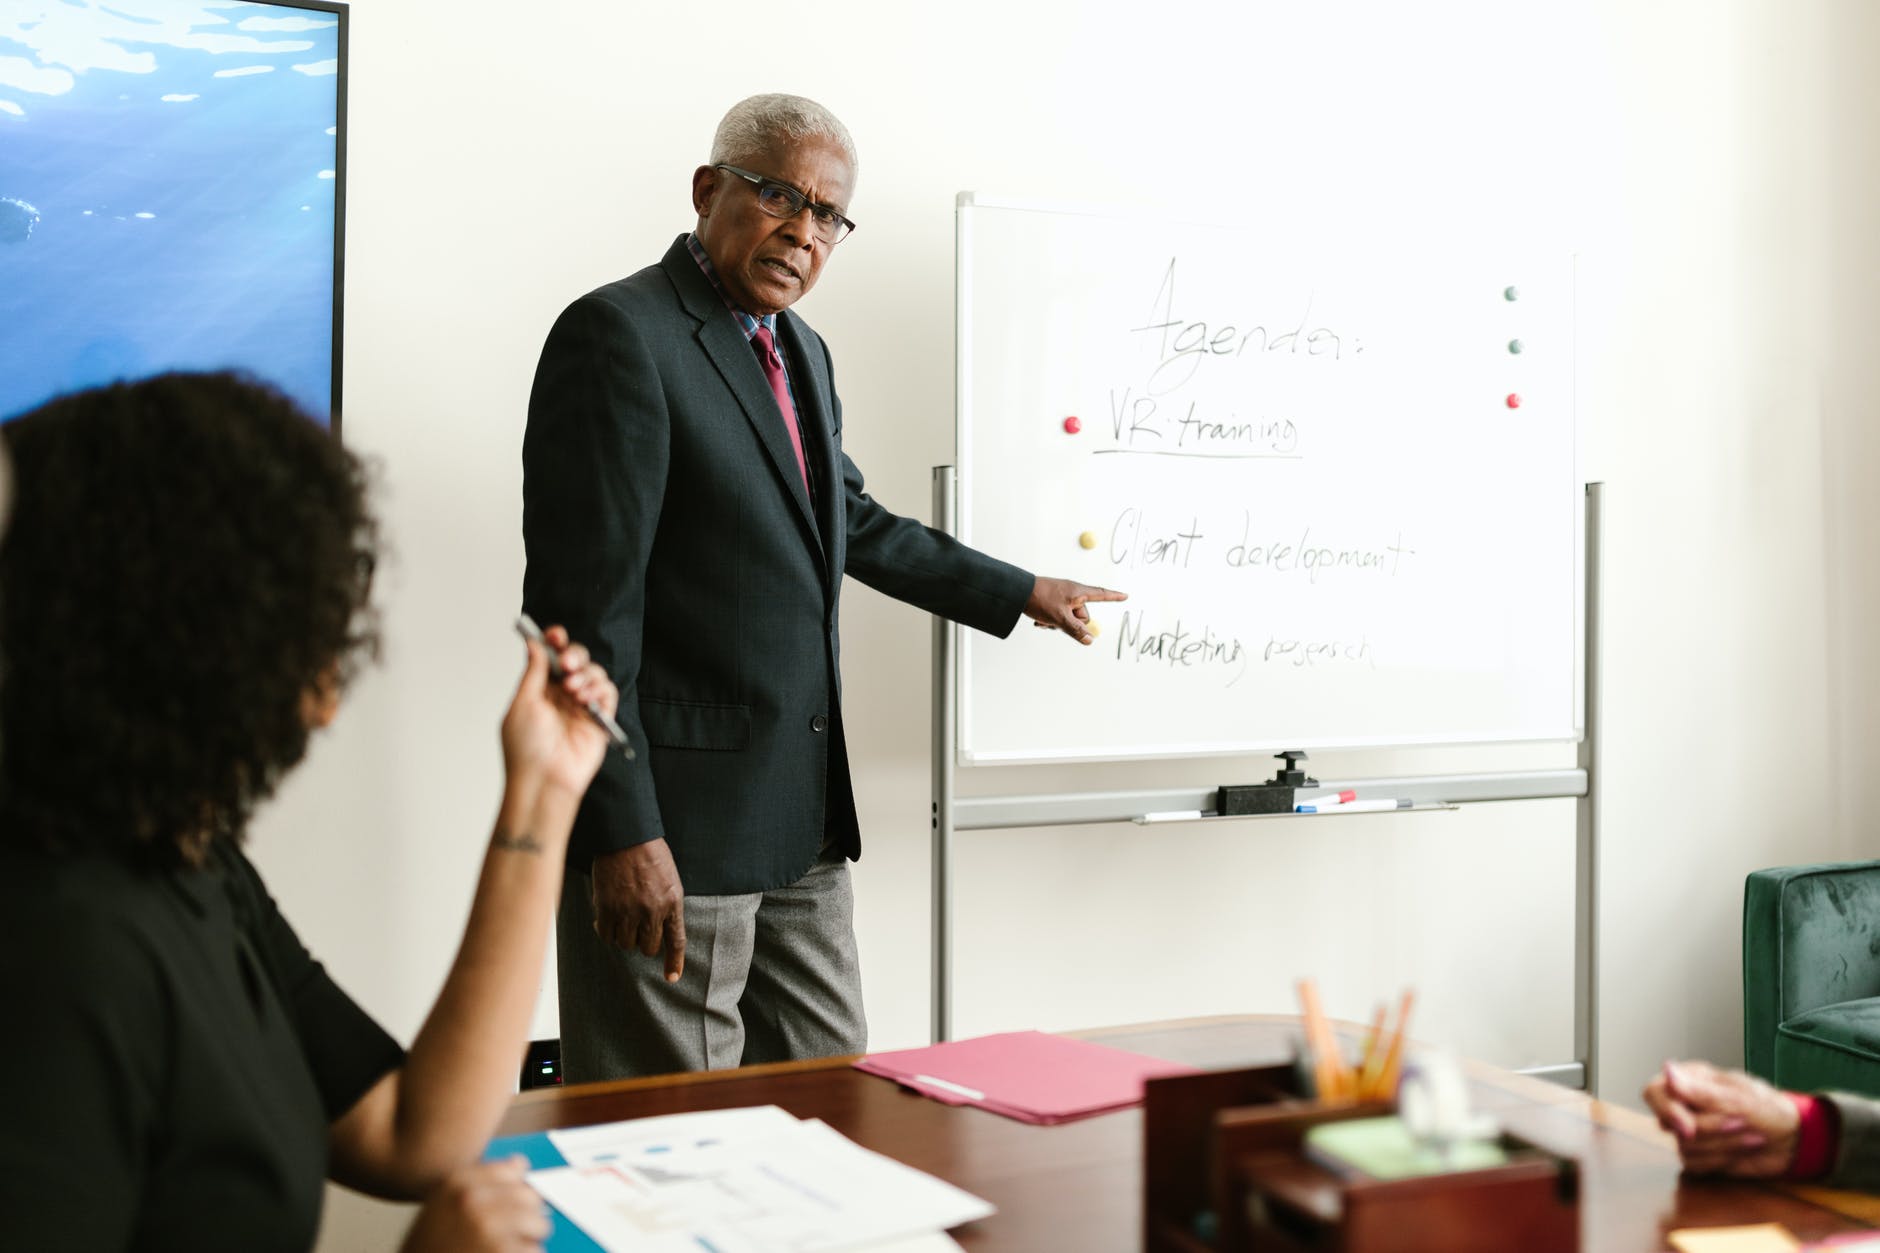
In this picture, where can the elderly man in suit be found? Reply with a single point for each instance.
(689, 513)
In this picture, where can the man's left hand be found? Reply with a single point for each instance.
(1058, 605)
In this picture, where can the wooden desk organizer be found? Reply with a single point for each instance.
(1224, 1171)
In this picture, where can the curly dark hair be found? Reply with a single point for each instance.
(189, 558)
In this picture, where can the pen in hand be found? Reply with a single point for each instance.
(526, 628)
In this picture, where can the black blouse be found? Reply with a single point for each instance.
(171, 1059)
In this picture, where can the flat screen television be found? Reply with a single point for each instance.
(172, 193)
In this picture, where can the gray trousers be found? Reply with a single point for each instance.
(769, 977)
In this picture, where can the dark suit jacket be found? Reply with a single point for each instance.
(667, 527)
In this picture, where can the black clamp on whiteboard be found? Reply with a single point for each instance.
(1275, 796)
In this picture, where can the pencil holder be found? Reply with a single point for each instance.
(1226, 1169)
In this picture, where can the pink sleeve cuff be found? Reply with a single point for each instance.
(1817, 1140)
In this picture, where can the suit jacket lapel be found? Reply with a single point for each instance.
(736, 361)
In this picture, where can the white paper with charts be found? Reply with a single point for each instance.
(745, 1181)
(1340, 491)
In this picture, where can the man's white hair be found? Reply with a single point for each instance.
(760, 124)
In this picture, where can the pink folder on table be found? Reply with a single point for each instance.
(1027, 1075)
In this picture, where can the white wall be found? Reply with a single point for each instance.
(1712, 163)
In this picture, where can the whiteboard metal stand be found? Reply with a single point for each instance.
(984, 813)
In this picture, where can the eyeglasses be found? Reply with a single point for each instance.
(780, 200)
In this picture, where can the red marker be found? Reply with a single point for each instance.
(1312, 804)
(1514, 401)
(1073, 425)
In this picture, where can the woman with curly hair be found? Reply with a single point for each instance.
(184, 594)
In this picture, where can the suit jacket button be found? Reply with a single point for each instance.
(819, 723)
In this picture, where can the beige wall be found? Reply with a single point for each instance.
(1713, 165)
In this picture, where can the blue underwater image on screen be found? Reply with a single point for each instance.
(168, 189)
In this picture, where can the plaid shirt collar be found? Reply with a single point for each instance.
(746, 322)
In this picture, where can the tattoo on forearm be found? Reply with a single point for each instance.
(524, 843)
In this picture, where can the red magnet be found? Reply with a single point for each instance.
(1073, 425)
(1514, 400)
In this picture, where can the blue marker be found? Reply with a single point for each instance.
(1355, 807)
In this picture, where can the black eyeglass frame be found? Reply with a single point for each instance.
(797, 200)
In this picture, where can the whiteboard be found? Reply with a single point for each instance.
(1340, 490)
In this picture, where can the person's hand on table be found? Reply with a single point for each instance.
(1727, 1122)
(1058, 605)
(639, 903)
(487, 1207)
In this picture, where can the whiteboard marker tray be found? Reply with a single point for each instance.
(1156, 820)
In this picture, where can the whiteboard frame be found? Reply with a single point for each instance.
(1073, 755)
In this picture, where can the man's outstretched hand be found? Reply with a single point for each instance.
(1058, 605)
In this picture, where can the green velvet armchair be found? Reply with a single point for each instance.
(1811, 977)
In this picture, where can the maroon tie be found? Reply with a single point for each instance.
(773, 371)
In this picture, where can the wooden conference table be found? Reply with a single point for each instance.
(1079, 1185)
